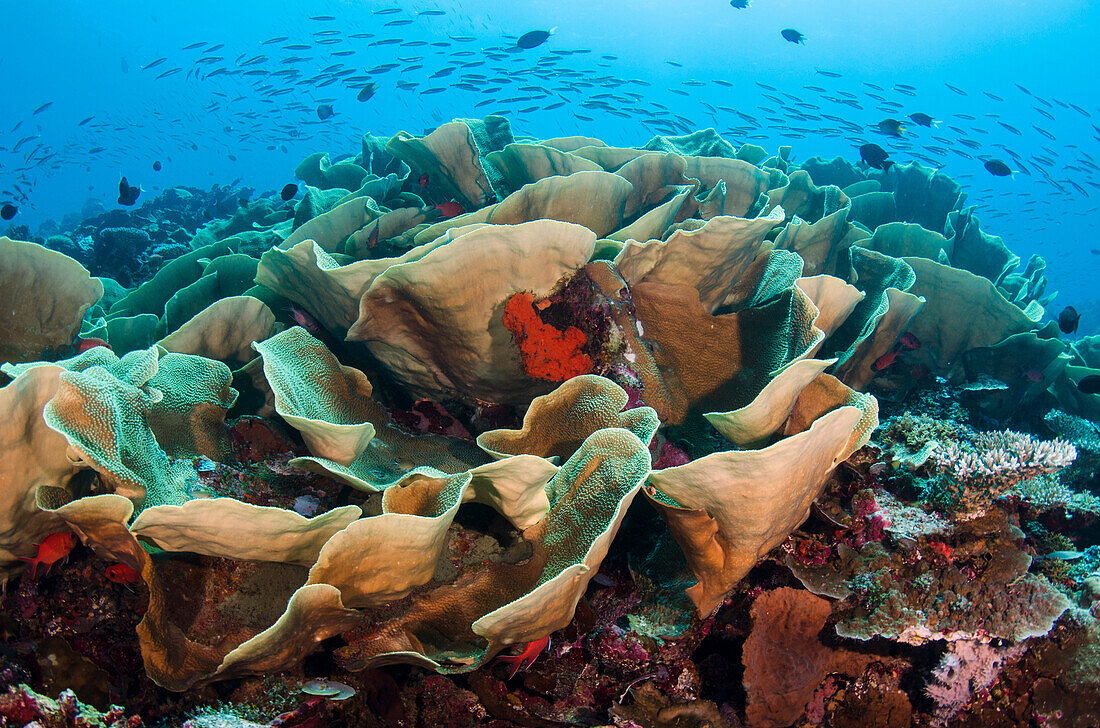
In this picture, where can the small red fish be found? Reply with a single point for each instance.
(120, 573)
(909, 341)
(304, 319)
(54, 548)
(449, 209)
(886, 360)
(527, 657)
(90, 343)
(372, 239)
(1032, 375)
(423, 181)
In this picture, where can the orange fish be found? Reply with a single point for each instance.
(120, 573)
(54, 548)
(526, 658)
(90, 343)
(423, 181)
(449, 209)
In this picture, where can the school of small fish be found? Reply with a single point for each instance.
(314, 84)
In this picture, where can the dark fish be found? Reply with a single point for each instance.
(85, 121)
(432, 12)
(875, 156)
(739, 4)
(957, 90)
(533, 39)
(1089, 384)
(154, 64)
(387, 11)
(792, 35)
(827, 74)
(323, 18)
(921, 119)
(289, 191)
(1068, 320)
(366, 92)
(8, 211)
(891, 127)
(157, 166)
(193, 46)
(997, 168)
(42, 108)
(396, 23)
(127, 193)
(324, 111)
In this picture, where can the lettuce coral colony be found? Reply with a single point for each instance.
(625, 400)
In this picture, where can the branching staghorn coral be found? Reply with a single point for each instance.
(997, 461)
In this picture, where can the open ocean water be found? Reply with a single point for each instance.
(228, 92)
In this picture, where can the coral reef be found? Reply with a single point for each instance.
(606, 413)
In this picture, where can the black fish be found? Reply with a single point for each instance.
(921, 119)
(891, 127)
(157, 166)
(1068, 320)
(289, 191)
(8, 211)
(1089, 384)
(366, 92)
(792, 35)
(533, 39)
(739, 4)
(127, 193)
(997, 168)
(324, 111)
(875, 156)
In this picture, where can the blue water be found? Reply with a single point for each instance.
(87, 59)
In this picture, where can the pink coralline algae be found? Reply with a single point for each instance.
(23, 707)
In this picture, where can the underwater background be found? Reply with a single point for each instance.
(87, 59)
(715, 364)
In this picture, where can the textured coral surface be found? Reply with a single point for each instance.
(609, 413)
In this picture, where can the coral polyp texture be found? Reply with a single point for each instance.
(473, 392)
